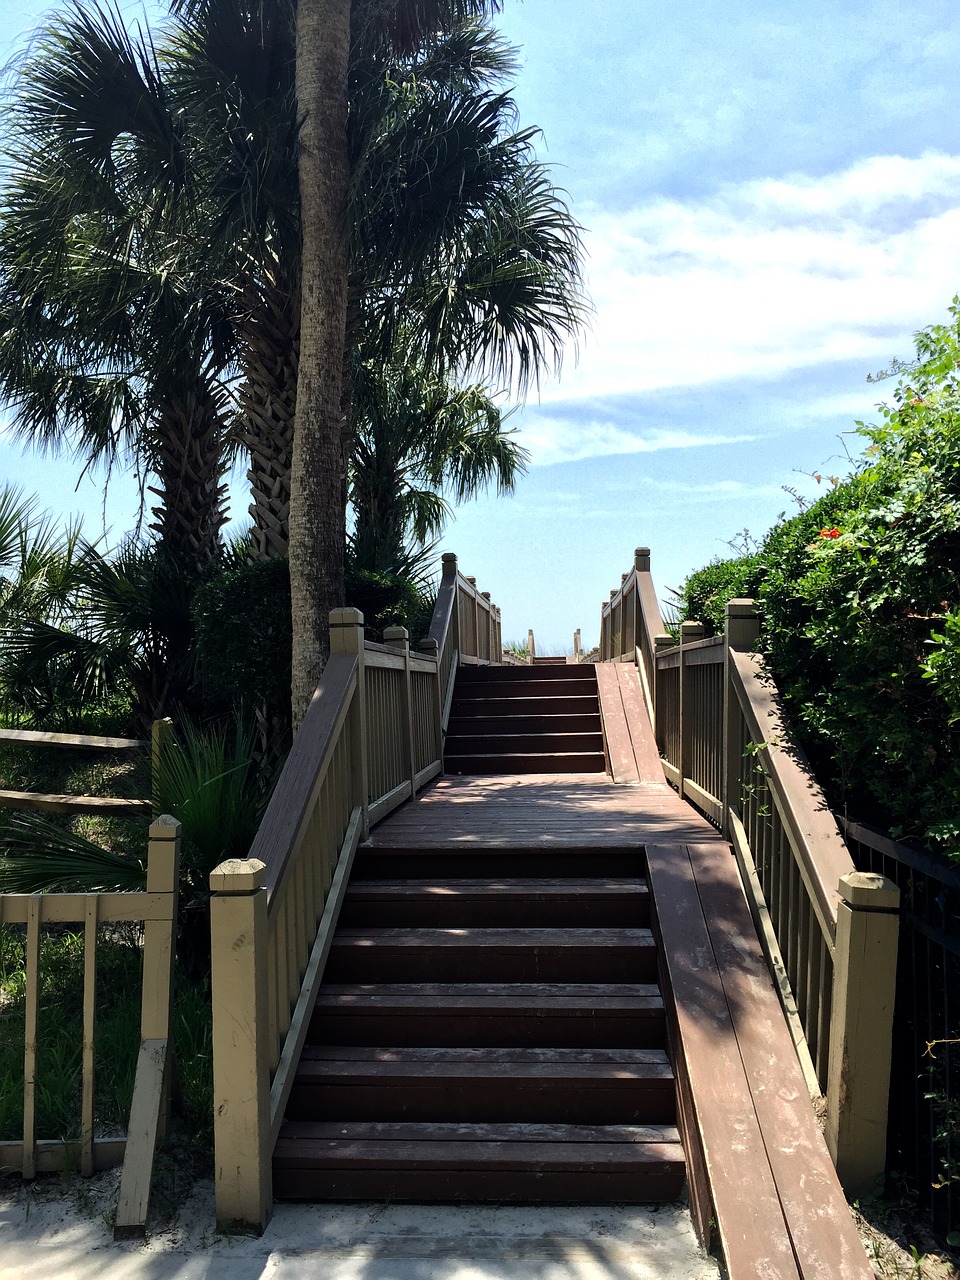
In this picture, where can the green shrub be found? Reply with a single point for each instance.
(704, 595)
(860, 608)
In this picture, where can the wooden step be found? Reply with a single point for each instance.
(384, 861)
(483, 742)
(525, 705)
(552, 671)
(555, 762)
(450, 903)
(505, 1015)
(583, 723)
(514, 689)
(579, 1086)
(557, 1163)
(492, 955)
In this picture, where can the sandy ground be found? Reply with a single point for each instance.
(61, 1228)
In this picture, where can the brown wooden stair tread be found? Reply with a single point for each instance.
(497, 939)
(427, 1064)
(437, 1145)
(453, 997)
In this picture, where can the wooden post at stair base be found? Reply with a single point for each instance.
(861, 1028)
(399, 638)
(150, 1105)
(241, 1074)
(690, 632)
(346, 636)
(741, 633)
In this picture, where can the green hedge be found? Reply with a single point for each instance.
(860, 608)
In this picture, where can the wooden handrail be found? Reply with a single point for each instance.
(725, 745)
(822, 857)
(295, 794)
(371, 738)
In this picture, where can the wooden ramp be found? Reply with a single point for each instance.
(535, 979)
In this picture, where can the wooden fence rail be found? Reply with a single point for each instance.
(156, 910)
(829, 932)
(371, 739)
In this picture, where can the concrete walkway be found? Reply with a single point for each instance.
(57, 1232)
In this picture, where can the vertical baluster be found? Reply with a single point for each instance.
(91, 908)
(30, 1023)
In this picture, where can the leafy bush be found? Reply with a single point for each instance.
(859, 600)
(704, 595)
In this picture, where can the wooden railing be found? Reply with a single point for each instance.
(372, 737)
(156, 910)
(115, 806)
(829, 931)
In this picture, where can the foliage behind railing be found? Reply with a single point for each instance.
(156, 910)
(830, 932)
(371, 738)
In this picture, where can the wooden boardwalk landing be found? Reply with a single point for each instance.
(575, 810)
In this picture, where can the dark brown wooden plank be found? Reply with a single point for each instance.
(642, 738)
(548, 1056)
(823, 1233)
(753, 1232)
(544, 1141)
(623, 765)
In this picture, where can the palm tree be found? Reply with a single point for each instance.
(420, 440)
(209, 133)
(110, 341)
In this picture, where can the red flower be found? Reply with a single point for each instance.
(830, 533)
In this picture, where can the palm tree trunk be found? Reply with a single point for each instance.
(189, 462)
(318, 471)
(268, 397)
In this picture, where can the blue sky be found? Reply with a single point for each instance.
(771, 202)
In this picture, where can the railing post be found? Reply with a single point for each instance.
(861, 1028)
(476, 617)
(660, 643)
(741, 632)
(641, 564)
(448, 572)
(531, 647)
(161, 738)
(431, 649)
(346, 636)
(488, 626)
(150, 1104)
(577, 647)
(159, 941)
(241, 1075)
(399, 638)
(689, 633)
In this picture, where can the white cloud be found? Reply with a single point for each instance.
(769, 276)
(552, 440)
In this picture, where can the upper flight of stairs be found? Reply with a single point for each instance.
(489, 1028)
(543, 718)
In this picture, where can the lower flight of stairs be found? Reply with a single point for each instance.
(543, 718)
(489, 1029)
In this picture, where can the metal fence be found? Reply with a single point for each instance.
(924, 1131)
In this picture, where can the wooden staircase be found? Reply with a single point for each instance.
(543, 718)
(489, 1028)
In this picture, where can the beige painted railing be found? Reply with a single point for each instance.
(156, 909)
(372, 737)
(829, 932)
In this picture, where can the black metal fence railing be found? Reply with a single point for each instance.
(924, 1128)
